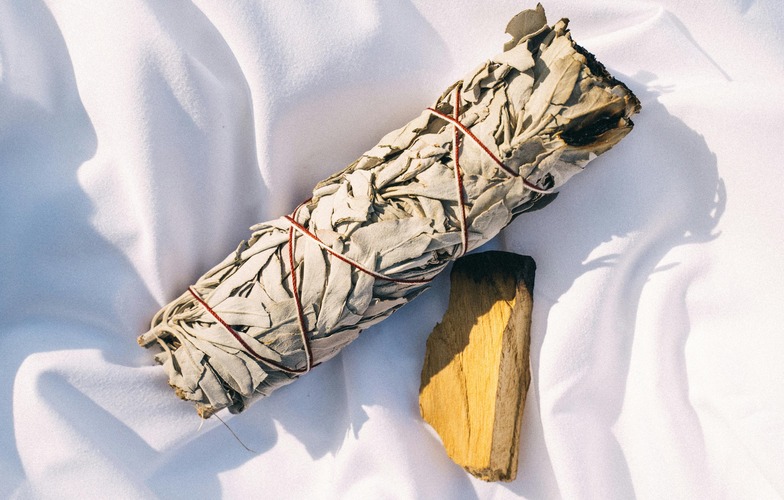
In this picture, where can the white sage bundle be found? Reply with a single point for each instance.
(494, 145)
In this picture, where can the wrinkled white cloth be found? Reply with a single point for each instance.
(139, 140)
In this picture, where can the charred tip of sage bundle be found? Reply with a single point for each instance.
(603, 126)
(494, 145)
(607, 126)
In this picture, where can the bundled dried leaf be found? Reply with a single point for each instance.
(494, 145)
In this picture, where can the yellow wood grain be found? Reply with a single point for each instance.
(475, 374)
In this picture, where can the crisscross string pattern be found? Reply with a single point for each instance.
(295, 226)
(465, 131)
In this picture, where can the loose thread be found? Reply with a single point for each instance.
(235, 435)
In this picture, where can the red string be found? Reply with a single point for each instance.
(237, 336)
(466, 131)
(459, 178)
(298, 301)
(459, 127)
(347, 260)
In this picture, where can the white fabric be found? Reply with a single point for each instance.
(139, 139)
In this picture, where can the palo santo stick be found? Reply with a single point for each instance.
(475, 375)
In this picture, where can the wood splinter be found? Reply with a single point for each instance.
(475, 375)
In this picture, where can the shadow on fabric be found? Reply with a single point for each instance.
(49, 252)
(68, 295)
(322, 410)
(662, 192)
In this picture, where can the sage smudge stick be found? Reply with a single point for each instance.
(494, 145)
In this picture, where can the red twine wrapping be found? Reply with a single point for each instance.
(459, 177)
(458, 129)
(244, 344)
